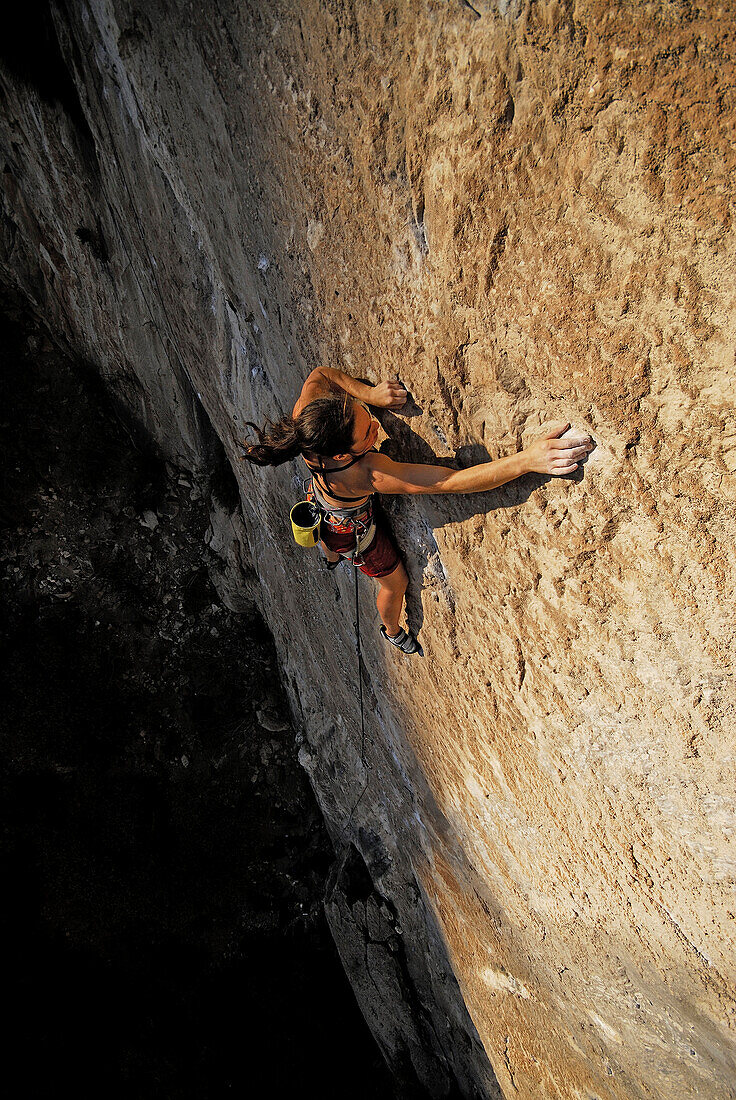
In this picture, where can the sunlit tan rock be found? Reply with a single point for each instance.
(524, 211)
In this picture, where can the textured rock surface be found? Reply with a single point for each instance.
(163, 858)
(524, 211)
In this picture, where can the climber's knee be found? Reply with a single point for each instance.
(395, 582)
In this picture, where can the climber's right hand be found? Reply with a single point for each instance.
(388, 395)
(556, 456)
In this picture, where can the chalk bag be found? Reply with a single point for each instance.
(305, 520)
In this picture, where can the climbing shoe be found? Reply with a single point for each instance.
(404, 640)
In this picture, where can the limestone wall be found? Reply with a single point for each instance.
(524, 211)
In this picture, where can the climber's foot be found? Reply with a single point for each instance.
(404, 640)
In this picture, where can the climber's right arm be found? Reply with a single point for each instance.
(324, 380)
(549, 455)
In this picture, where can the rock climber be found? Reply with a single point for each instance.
(332, 428)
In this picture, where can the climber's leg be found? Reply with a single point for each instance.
(329, 554)
(390, 598)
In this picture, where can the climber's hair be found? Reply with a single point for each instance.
(324, 427)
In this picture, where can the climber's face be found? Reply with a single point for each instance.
(365, 430)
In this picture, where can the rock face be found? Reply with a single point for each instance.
(163, 857)
(524, 211)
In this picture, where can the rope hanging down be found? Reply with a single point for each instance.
(366, 766)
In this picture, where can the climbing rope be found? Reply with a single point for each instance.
(366, 766)
(360, 665)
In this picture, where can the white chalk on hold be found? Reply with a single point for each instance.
(577, 437)
(263, 263)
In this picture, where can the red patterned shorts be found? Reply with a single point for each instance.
(378, 559)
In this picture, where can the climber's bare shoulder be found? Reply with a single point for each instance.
(377, 473)
(316, 384)
(380, 474)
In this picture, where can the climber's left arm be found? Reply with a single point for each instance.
(323, 380)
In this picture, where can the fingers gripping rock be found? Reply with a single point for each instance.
(560, 450)
(576, 437)
(574, 445)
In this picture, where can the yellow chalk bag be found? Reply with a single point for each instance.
(305, 521)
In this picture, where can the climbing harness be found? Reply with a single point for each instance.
(358, 521)
(307, 517)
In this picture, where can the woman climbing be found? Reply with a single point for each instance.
(334, 432)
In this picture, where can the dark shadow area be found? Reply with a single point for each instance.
(162, 855)
(30, 50)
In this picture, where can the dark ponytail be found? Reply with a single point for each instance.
(324, 427)
(276, 442)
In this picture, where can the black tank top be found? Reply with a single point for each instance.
(323, 475)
